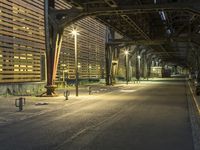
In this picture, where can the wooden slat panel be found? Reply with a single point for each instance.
(91, 49)
(22, 43)
(22, 40)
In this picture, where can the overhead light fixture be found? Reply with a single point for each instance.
(168, 31)
(163, 16)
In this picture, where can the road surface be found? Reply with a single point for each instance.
(135, 117)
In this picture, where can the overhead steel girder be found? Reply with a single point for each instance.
(145, 8)
(68, 16)
(148, 8)
(57, 20)
(135, 26)
(136, 42)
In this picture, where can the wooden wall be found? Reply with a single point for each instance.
(91, 48)
(22, 43)
(21, 40)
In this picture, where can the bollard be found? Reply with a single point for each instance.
(66, 94)
(90, 90)
(20, 103)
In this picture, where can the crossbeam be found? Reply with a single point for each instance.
(135, 9)
(69, 16)
(136, 42)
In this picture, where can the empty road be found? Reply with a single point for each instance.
(150, 116)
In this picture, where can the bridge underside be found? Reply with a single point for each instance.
(164, 30)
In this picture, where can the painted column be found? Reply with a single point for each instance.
(53, 41)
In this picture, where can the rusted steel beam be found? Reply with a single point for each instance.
(53, 39)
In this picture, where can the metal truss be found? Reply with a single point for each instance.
(141, 22)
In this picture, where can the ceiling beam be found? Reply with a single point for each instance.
(135, 9)
(69, 16)
(135, 26)
(136, 42)
(146, 8)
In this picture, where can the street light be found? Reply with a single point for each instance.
(64, 71)
(74, 32)
(90, 67)
(126, 52)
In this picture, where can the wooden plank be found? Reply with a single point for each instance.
(21, 40)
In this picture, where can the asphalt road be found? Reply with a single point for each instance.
(146, 117)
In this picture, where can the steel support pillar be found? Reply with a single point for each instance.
(127, 67)
(149, 65)
(145, 71)
(115, 60)
(142, 65)
(109, 57)
(149, 69)
(197, 59)
(53, 39)
(137, 71)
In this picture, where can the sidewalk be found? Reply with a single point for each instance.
(194, 112)
(195, 97)
(10, 114)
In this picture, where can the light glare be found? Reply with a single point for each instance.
(74, 32)
(126, 52)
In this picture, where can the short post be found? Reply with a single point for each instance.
(66, 94)
(20, 103)
(90, 90)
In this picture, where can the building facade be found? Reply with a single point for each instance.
(22, 44)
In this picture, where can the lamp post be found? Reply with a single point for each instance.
(74, 32)
(126, 52)
(90, 71)
(64, 71)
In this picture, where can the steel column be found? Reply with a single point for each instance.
(53, 39)
(145, 71)
(108, 53)
(137, 67)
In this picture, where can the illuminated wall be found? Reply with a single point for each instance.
(21, 40)
(91, 48)
(22, 44)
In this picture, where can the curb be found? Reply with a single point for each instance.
(193, 116)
